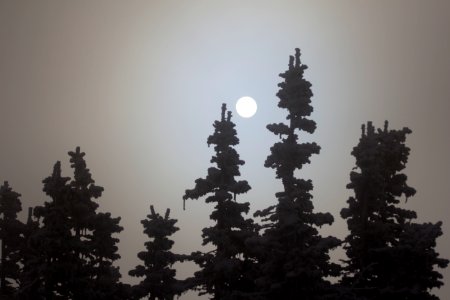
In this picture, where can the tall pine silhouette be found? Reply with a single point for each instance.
(74, 247)
(389, 256)
(11, 237)
(226, 271)
(294, 257)
(159, 280)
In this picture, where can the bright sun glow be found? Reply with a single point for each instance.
(246, 107)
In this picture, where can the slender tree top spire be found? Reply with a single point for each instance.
(297, 57)
(302, 262)
(225, 271)
(166, 216)
(294, 96)
(386, 125)
(224, 108)
(227, 163)
(10, 203)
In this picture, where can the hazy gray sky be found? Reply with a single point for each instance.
(138, 84)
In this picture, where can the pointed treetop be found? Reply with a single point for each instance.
(7, 191)
(291, 62)
(226, 159)
(152, 210)
(292, 225)
(55, 182)
(77, 152)
(297, 57)
(367, 130)
(10, 203)
(224, 108)
(166, 216)
(228, 114)
(294, 61)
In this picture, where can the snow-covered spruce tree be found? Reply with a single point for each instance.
(226, 271)
(389, 257)
(294, 257)
(74, 247)
(11, 237)
(159, 278)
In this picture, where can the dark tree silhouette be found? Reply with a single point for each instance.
(74, 249)
(389, 257)
(226, 271)
(96, 231)
(159, 278)
(29, 276)
(294, 257)
(11, 236)
(67, 248)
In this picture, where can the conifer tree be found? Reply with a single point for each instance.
(96, 229)
(159, 278)
(74, 247)
(294, 257)
(389, 256)
(11, 237)
(29, 276)
(53, 243)
(225, 272)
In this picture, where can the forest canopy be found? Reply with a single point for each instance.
(67, 248)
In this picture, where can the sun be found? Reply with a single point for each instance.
(246, 107)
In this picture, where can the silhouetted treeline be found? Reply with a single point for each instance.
(67, 249)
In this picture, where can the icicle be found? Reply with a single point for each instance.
(184, 201)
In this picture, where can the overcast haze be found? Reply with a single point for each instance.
(138, 84)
